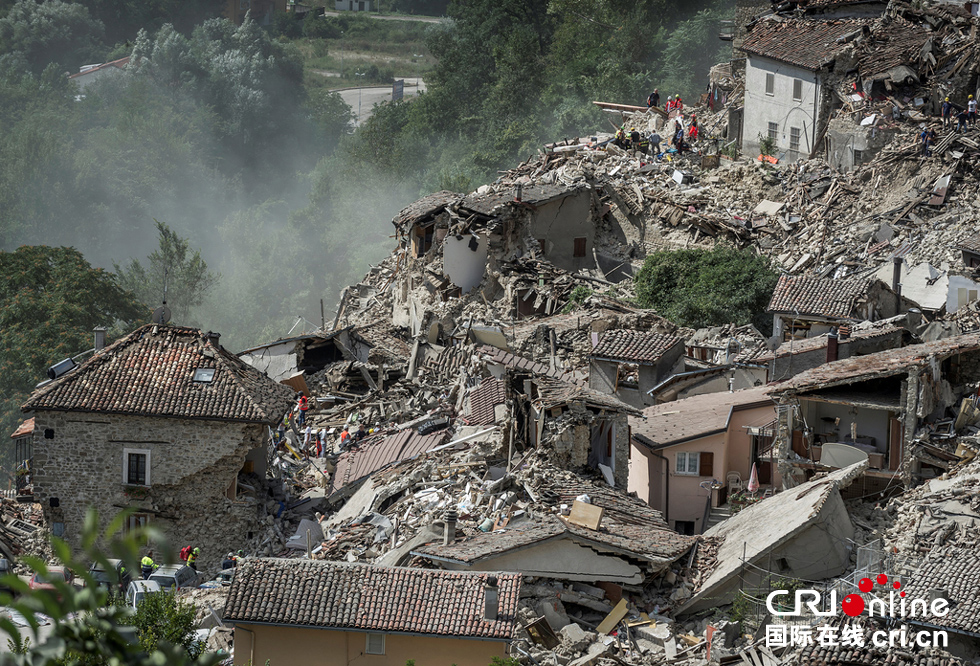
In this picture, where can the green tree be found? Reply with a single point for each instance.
(49, 32)
(173, 272)
(699, 287)
(164, 618)
(50, 300)
(87, 628)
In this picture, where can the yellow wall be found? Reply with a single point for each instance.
(296, 646)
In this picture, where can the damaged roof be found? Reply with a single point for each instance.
(970, 244)
(377, 452)
(805, 43)
(881, 364)
(25, 428)
(822, 297)
(153, 372)
(426, 207)
(956, 571)
(820, 342)
(532, 195)
(482, 401)
(682, 420)
(513, 361)
(764, 526)
(897, 44)
(556, 393)
(634, 346)
(340, 595)
(658, 545)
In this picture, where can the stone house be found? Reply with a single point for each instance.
(89, 74)
(795, 356)
(678, 448)
(303, 612)
(162, 421)
(629, 364)
(880, 406)
(805, 307)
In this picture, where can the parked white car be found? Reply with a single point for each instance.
(138, 590)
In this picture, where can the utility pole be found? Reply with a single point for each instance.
(359, 89)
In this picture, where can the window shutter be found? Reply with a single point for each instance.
(375, 644)
(707, 464)
(579, 247)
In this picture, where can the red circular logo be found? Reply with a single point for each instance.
(882, 579)
(853, 605)
(866, 585)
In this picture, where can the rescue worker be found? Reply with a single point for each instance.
(946, 110)
(971, 109)
(147, 566)
(654, 98)
(678, 104)
(634, 139)
(669, 106)
(229, 562)
(192, 558)
(692, 133)
(620, 138)
(304, 405)
(361, 433)
(344, 438)
(654, 140)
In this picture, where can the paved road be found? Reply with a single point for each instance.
(420, 19)
(362, 100)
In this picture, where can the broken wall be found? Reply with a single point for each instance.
(279, 361)
(849, 144)
(465, 260)
(560, 223)
(569, 436)
(191, 466)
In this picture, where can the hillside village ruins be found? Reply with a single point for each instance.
(587, 482)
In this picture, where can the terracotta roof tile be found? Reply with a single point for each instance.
(956, 571)
(427, 206)
(371, 598)
(483, 399)
(970, 244)
(635, 346)
(805, 43)
(823, 297)
(150, 372)
(25, 428)
(511, 360)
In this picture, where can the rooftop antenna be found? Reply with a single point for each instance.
(162, 314)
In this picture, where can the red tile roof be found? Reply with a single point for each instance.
(805, 43)
(380, 451)
(25, 428)
(635, 346)
(956, 571)
(370, 598)
(426, 207)
(691, 418)
(483, 399)
(150, 372)
(516, 362)
(119, 64)
(822, 297)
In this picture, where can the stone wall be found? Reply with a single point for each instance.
(570, 438)
(192, 465)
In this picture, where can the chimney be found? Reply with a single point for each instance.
(99, 338)
(213, 338)
(449, 535)
(519, 192)
(492, 597)
(844, 331)
(897, 281)
(832, 345)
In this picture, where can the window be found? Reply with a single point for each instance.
(773, 130)
(136, 521)
(858, 157)
(695, 463)
(687, 462)
(794, 138)
(579, 247)
(541, 245)
(798, 90)
(770, 84)
(375, 644)
(203, 375)
(136, 467)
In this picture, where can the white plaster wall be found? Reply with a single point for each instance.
(954, 299)
(463, 264)
(277, 361)
(780, 107)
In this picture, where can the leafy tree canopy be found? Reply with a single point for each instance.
(51, 32)
(172, 269)
(50, 300)
(701, 288)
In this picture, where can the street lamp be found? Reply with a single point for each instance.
(359, 88)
